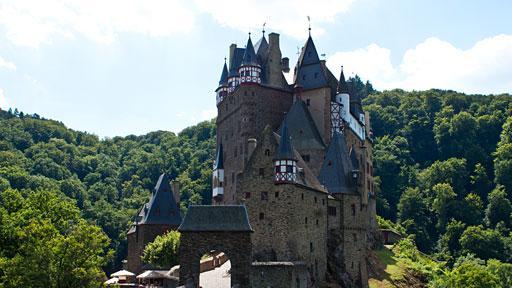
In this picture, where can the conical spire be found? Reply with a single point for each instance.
(337, 167)
(249, 55)
(309, 54)
(285, 150)
(219, 160)
(342, 84)
(224, 76)
(162, 208)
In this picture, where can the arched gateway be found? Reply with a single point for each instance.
(223, 228)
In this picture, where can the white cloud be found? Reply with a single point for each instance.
(285, 16)
(32, 22)
(208, 114)
(484, 68)
(6, 64)
(3, 100)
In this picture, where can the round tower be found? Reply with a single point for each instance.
(250, 70)
(222, 90)
(218, 177)
(285, 163)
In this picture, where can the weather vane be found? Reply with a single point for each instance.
(309, 25)
(265, 23)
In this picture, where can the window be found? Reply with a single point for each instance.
(354, 235)
(310, 246)
(323, 202)
(353, 209)
(262, 216)
(302, 196)
(331, 210)
(316, 200)
(308, 102)
(247, 195)
(316, 75)
(306, 158)
(233, 177)
(261, 171)
(267, 152)
(276, 194)
(264, 195)
(316, 222)
(306, 220)
(329, 163)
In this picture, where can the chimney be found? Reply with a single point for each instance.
(273, 40)
(176, 191)
(232, 49)
(285, 64)
(251, 143)
(274, 70)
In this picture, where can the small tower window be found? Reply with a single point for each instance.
(306, 220)
(316, 222)
(262, 216)
(310, 246)
(316, 75)
(331, 210)
(247, 195)
(302, 196)
(316, 200)
(261, 172)
(353, 209)
(276, 194)
(308, 102)
(264, 195)
(267, 152)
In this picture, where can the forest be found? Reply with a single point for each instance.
(443, 161)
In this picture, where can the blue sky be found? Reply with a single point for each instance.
(124, 67)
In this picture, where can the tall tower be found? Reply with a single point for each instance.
(218, 176)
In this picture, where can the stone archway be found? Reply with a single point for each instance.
(223, 228)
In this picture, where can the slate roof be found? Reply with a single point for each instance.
(250, 55)
(261, 47)
(336, 170)
(284, 150)
(235, 62)
(162, 207)
(221, 218)
(224, 76)
(302, 128)
(309, 73)
(219, 159)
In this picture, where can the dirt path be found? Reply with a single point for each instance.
(218, 278)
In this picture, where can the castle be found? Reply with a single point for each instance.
(292, 185)
(299, 157)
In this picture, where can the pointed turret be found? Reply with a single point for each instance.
(250, 70)
(162, 208)
(261, 47)
(218, 176)
(342, 84)
(250, 54)
(224, 76)
(222, 90)
(285, 163)
(309, 71)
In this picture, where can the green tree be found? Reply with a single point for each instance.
(163, 251)
(498, 209)
(484, 243)
(413, 214)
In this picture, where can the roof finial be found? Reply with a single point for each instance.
(249, 34)
(341, 68)
(309, 25)
(225, 60)
(264, 29)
